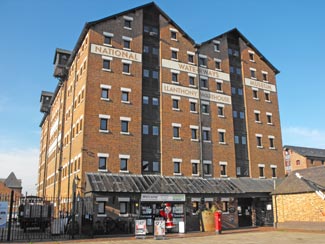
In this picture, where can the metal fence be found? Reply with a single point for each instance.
(31, 218)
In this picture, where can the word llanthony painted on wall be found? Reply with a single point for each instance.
(116, 53)
(193, 93)
(259, 84)
(195, 70)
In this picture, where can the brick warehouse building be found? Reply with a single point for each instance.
(138, 96)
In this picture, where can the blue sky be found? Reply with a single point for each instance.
(290, 34)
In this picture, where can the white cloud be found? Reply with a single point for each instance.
(24, 163)
(304, 137)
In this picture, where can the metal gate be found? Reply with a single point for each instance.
(32, 218)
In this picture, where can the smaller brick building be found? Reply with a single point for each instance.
(296, 203)
(10, 183)
(302, 157)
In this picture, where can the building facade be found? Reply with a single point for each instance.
(137, 95)
(296, 158)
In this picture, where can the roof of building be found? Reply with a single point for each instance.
(307, 152)
(314, 178)
(107, 182)
(11, 181)
(248, 43)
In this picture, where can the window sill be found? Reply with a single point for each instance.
(124, 171)
(177, 138)
(105, 99)
(127, 28)
(253, 61)
(125, 133)
(193, 86)
(205, 113)
(194, 112)
(270, 123)
(101, 215)
(224, 176)
(219, 91)
(125, 73)
(272, 148)
(258, 122)
(126, 49)
(104, 131)
(191, 63)
(108, 45)
(195, 140)
(256, 98)
(268, 101)
(176, 109)
(175, 82)
(124, 215)
(262, 177)
(253, 78)
(204, 88)
(260, 147)
(208, 175)
(126, 102)
(222, 143)
(218, 69)
(177, 174)
(196, 175)
(107, 70)
(205, 141)
(221, 116)
(102, 170)
(174, 59)
(173, 39)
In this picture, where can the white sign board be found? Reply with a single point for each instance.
(3, 214)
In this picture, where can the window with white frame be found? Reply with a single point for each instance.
(124, 162)
(251, 55)
(265, 76)
(193, 105)
(273, 168)
(261, 168)
(194, 132)
(108, 38)
(128, 22)
(177, 166)
(191, 79)
(126, 42)
(222, 136)
(101, 208)
(269, 118)
(253, 73)
(255, 94)
(102, 161)
(174, 53)
(267, 96)
(195, 167)
(216, 46)
(175, 100)
(221, 112)
(173, 33)
(105, 92)
(257, 116)
(106, 63)
(190, 57)
(206, 134)
(176, 130)
(103, 120)
(126, 67)
(203, 60)
(175, 74)
(204, 82)
(125, 95)
(271, 142)
(205, 107)
(219, 84)
(217, 63)
(125, 125)
(207, 167)
(223, 169)
(259, 140)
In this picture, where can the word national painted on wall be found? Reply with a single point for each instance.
(194, 93)
(116, 53)
(195, 70)
(259, 84)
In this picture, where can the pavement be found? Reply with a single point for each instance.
(243, 236)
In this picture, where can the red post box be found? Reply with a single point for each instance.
(217, 221)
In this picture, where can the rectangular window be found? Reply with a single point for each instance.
(264, 74)
(255, 94)
(145, 129)
(155, 130)
(155, 74)
(145, 165)
(207, 168)
(103, 124)
(105, 93)
(216, 46)
(220, 111)
(240, 91)
(202, 61)
(191, 80)
(146, 49)
(176, 132)
(221, 134)
(271, 140)
(123, 164)
(233, 90)
(155, 101)
(108, 40)
(174, 54)
(253, 73)
(101, 208)
(190, 58)
(102, 163)
(259, 141)
(173, 35)
(124, 126)
(236, 139)
(205, 108)
(238, 71)
(223, 169)
(155, 51)
(242, 115)
(177, 167)
(126, 68)
(234, 114)
(267, 96)
(125, 96)
(243, 140)
(193, 107)
(194, 134)
(106, 64)
(219, 86)
(176, 104)
(251, 56)
(218, 64)
(126, 44)
(269, 118)
(123, 207)
(128, 23)
(174, 77)
(146, 73)
(145, 100)
(155, 166)
(257, 116)
(206, 135)
(204, 83)
(261, 171)
(195, 168)
(273, 168)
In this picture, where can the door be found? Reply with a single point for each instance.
(244, 212)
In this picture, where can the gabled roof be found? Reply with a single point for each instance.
(293, 185)
(248, 43)
(307, 151)
(12, 181)
(88, 25)
(117, 183)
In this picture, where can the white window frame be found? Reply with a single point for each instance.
(178, 160)
(223, 163)
(273, 138)
(220, 82)
(210, 163)
(219, 105)
(175, 98)
(196, 161)
(209, 130)
(124, 156)
(261, 166)
(250, 70)
(269, 114)
(195, 127)
(224, 134)
(108, 87)
(216, 60)
(214, 46)
(103, 155)
(259, 116)
(104, 116)
(251, 52)
(109, 59)
(267, 76)
(108, 34)
(178, 126)
(260, 136)
(128, 119)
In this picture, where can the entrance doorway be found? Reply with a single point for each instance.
(244, 212)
